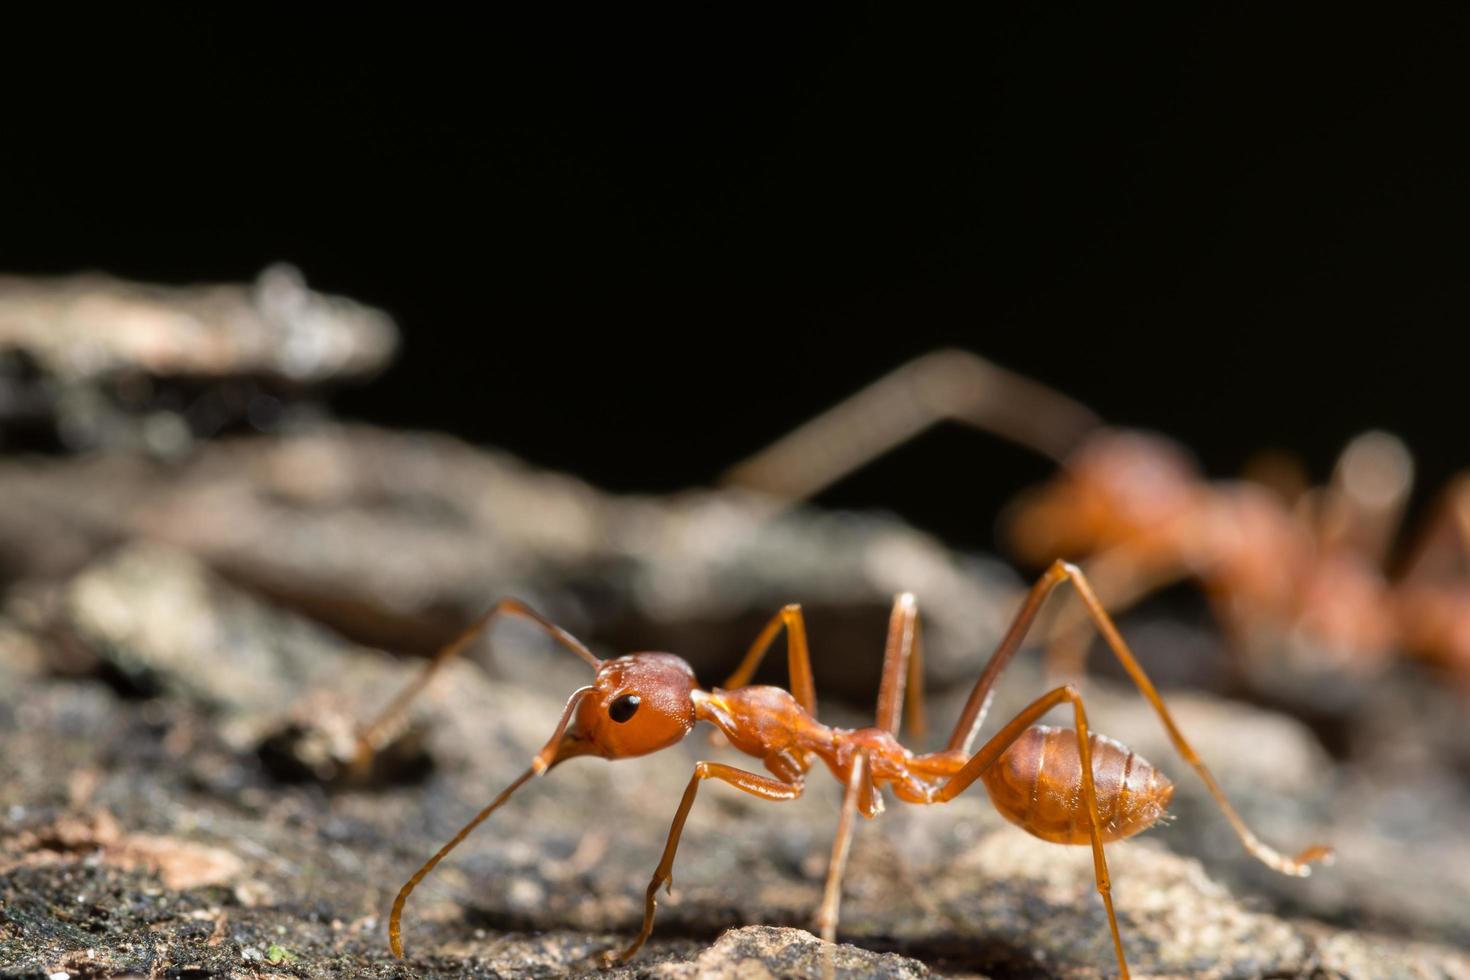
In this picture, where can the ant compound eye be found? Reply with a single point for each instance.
(623, 708)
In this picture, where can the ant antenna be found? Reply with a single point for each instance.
(549, 756)
(371, 736)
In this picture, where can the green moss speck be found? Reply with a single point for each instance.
(279, 954)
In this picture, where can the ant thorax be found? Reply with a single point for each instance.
(762, 721)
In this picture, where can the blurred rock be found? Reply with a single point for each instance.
(288, 687)
(151, 613)
(398, 540)
(94, 361)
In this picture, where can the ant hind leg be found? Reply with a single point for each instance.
(996, 746)
(974, 711)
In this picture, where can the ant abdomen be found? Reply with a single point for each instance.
(1037, 785)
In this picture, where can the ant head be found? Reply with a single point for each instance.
(637, 704)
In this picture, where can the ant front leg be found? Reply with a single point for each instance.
(1363, 505)
(663, 876)
(798, 657)
(902, 664)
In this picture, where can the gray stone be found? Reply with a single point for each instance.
(90, 361)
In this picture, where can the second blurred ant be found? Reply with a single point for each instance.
(1274, 558)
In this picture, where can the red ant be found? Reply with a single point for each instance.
(1067, 786)
(1289, 562)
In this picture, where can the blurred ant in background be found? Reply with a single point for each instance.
(1277, 559)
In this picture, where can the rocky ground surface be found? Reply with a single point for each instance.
(173, 803)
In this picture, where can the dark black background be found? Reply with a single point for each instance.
(635, 245)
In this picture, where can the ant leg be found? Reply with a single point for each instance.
(1363, 505)
(370, 736)
(544, 760)
(1125, 581)
(943, 384)
(903, 669)
(1281, 472)
(1065, 657)
(859, 784)
(798, 657)
(1430, 593)
(395, 917)
(978, 704)
(763, 786)
(992, 750)
(974, 711)
(1441, 551)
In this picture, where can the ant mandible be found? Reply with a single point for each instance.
(1067, 786)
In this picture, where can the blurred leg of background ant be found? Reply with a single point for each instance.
(1362, 507)
(372, 736)
(1281, 471)
(992, 750)
(951, 385)
(974, 710)
(943, 385)
(1432, 591)
(798, 657)
(766, 787)
(1440, 552)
